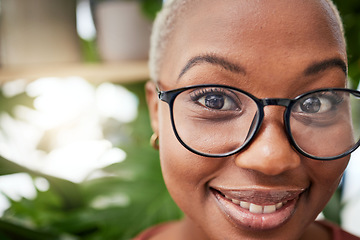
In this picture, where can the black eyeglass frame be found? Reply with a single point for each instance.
(170, 96)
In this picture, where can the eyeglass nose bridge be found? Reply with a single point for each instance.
(282, 102)
(276, 102)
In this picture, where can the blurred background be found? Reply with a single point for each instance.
(75, 159)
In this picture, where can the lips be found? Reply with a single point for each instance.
(258, 209)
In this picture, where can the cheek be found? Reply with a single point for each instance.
(174, 158)
(327, 173)
(325, 179)
(184, 172)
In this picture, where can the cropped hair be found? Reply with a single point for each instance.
(166, 21)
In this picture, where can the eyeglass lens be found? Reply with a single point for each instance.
(220, 120)
(322, 123)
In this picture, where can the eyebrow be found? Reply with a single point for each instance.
(232, 67)
(324, 65)
(214, 60)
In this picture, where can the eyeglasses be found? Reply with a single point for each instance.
(219, 121)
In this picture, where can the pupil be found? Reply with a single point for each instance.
(311, 105)
(214, 101)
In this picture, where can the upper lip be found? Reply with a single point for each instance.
(262, 196)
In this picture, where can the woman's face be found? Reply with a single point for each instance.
(279, 47)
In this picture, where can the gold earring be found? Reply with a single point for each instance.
(154, 141)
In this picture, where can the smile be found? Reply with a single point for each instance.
(254, 208)
(257, 210)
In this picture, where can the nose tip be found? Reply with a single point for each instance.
(270, 152)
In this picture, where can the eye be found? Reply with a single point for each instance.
(217, 99)
(218, 102)
(311, 105)
(319, 103)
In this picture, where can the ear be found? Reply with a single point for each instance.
(153, 105)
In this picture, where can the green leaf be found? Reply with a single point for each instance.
(333, 208)
(13, 231)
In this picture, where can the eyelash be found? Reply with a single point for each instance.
(199, 93)
(332, 97)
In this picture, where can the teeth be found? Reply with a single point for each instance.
(269, 209)
(278, 205)
(245, 205)
(255, 208)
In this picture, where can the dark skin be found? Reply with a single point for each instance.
(276, 49)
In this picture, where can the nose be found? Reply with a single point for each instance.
(270, 152)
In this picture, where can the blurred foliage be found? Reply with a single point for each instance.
(150, 7)
(350, 13)
(116, 207)
(89, 50)
(7, 104)
(333, 208)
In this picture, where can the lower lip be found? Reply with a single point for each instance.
(244, 218)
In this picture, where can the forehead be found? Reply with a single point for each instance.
(255, 30)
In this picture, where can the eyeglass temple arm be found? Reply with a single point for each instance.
(161, 94)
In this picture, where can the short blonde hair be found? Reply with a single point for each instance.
(165, 23)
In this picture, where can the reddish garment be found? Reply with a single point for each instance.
(147, 234)
(337, 232)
